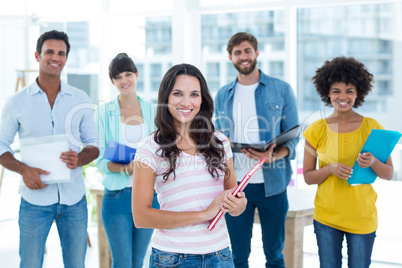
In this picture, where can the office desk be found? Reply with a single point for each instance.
(300, 214)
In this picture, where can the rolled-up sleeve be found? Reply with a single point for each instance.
(8, 127)
(89, 133)
(291, 119)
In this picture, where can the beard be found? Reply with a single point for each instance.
(246, 70)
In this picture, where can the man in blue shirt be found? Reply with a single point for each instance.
(50, 107)
(252, 109)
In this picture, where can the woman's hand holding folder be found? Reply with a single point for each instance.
(240, 187)
(234, 204)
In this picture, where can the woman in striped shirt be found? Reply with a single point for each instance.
(190, 167)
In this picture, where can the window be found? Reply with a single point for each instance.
(212, 75)
(384, 87)
(156, 75)
(148, 43)
(276, 69)
(216, 29)
(140, 80)
(212, 69)
(328, 32)
(158, 35)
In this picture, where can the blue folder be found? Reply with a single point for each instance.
(119, 153)
(380, 143)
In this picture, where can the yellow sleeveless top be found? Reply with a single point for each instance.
(337, 204)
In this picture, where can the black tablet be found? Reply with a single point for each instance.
(282, 138)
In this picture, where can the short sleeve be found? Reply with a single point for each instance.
(373, 124)
(146, 153)
(226, 145)
(314, 132)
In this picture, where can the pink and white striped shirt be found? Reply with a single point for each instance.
(193, 189)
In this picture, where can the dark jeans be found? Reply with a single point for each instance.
(329, 241)
(272, 212)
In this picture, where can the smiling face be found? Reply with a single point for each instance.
(342, 96)
(52, 58)
(185, 99)
(126, 82)
(244, 57)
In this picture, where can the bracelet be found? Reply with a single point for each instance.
(122, 171)
(126, 170)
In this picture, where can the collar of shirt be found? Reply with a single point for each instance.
(34, 89)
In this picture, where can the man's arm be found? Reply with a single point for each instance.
(30, 175)
(290, 119)
(88, 137)
(74, 159)
(216, 118)
(9, 125)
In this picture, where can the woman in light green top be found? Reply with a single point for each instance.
(127, 120)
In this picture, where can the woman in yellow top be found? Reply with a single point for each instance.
(342, 210)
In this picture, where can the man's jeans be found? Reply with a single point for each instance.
(35, 222)
(272, 212)
(219, 259)
(329, 241)
(128, 244)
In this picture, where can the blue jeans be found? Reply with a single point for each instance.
(219, 259)
(128, 245)
(329, 241)
(272, 212)
(35, 222)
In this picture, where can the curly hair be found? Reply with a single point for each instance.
(201, 127)
(347, 70)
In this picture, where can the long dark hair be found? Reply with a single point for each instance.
(201, 127)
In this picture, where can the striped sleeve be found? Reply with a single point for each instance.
(226, 145)
(146, 153)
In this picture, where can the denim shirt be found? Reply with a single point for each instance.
(277, 112)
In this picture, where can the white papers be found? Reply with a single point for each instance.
(44, 153)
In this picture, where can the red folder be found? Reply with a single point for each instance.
(240, 187)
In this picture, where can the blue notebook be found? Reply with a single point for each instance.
(380, 143)
(119, 153)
